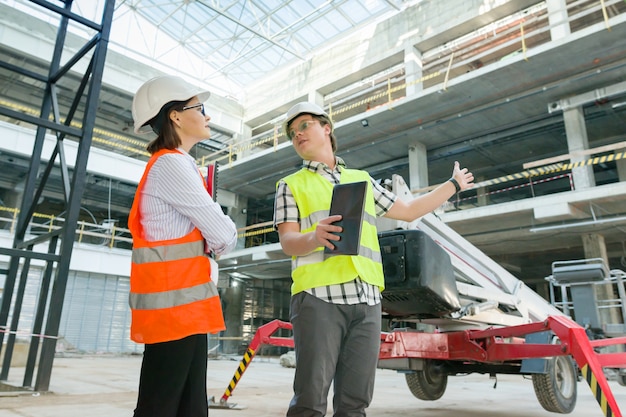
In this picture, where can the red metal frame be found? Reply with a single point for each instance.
(504, 344)
(494, 345)
(263, 336)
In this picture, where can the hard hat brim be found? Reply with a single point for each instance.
(302, 108)
(156, 93)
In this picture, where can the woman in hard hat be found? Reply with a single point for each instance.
(174, 221)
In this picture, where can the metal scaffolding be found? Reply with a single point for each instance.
(75, 120)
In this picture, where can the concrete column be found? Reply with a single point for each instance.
(481, 194)
(242, 140)
(595, 247)
(621, 165)
(239, 215)
(418, 166)
(543, 289)
(317, 98)
(232, 300)
(235, 206)
(11, 199)
(557, 17)
(413, 69)
(577, 140)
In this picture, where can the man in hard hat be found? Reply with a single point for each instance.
(173, 220)
(336, 303)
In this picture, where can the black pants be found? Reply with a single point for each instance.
(173, 379)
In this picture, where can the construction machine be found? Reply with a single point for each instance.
(457, 311)
(453, 311)
(595, 298)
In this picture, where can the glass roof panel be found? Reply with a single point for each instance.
(237, 42)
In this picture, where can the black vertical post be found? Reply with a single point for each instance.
(77, 187)
(57, 265)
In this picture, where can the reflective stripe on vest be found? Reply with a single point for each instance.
(312, 193)
(171, 292)
(319, 255)
(174, 298)
(167, 252)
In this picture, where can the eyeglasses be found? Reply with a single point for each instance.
(301, 128)
(194, 106)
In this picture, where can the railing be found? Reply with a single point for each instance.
(527, 184)
(494, 42)
(606, 309)
(105, 234)
(497, 41)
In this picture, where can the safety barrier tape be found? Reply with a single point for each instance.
(534, 172)
(552, 168)
(596, 390)
(519, 186)
(257, 232)
(3, 329)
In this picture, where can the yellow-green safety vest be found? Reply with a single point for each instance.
(313, 193)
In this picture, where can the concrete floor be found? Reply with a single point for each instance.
(106, 386)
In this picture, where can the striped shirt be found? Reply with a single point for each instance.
(174, 201)
(286, 210)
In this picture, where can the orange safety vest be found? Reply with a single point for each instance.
(171, 292)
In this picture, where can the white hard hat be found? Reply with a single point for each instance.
(303, 108)
(157, 92)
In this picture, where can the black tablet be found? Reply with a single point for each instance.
(349, 201)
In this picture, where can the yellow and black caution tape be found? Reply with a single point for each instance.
(257, 232)
(596, 390)
(552, 168)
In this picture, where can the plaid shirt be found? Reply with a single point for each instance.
(286, 210)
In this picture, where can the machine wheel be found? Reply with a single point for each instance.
(556, 390)
(428, 384)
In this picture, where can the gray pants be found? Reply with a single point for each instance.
(337, 344)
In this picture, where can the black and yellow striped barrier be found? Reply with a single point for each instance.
(552, 168)
(243, 365)
(263, 336)
(596, 390)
